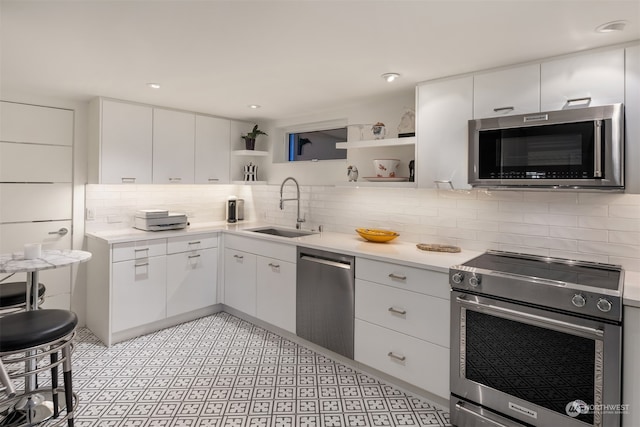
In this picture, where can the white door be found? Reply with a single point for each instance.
(36, 188)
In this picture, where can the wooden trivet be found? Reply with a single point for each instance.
(434, 247)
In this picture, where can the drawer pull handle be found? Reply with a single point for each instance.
(144, 264)
(141, 250)
(213, 179)
(194, 256)
(176, 179)
(397, 276)
(272, 265)
(392, 355)
(195, 243)
(128, 180)
(238, 256)
(499, 109)
(397, 311)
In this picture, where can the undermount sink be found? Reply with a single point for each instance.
(282, 232)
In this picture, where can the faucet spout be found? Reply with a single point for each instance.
(299, 220)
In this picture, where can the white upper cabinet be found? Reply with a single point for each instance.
(505, 92)
(632, 124)
(173, 146)
(444, 110)
(582, 80)
(123, 142)
(212, 150)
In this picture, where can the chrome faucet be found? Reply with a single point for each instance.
(299, 220)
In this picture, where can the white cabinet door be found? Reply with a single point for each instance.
(212, 150)
(632, 112)
(240, 281)
(139, 292)
(631, 369)
(590, 79)
(444, 109)
(35, 162)
(276, 292)
(125, 143)
(35, 124)
(504, 92)
(191, 280)
(173, 146)
(35, 202)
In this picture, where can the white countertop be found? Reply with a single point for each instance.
(397, 251)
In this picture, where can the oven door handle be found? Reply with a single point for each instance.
(539, 320)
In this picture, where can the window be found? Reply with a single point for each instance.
(316, 145)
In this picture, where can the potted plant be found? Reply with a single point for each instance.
(250, 138)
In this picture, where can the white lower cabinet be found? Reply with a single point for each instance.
(139, 292)
(191, 280)
(140, 286)
(402, 323)
(240, 281)
(276, 292)
(260, 279)
(410, 359)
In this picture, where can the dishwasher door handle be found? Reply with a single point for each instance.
(338, 264)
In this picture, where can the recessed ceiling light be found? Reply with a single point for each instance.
(612, 26)
(390, 77)
(254, 106)
(154, 85)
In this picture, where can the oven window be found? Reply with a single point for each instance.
(561, 151)
(539, 365)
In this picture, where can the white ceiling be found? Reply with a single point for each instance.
(291, 57)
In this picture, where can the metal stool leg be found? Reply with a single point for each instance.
(68, 383)
(54, 384)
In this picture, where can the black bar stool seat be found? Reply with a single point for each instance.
(14, 294)
(25, 338)
(34, 328)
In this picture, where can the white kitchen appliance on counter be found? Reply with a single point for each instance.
(158, 219)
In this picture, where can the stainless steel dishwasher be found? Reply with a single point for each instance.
(325, 299)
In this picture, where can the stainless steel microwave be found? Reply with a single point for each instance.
(581, 148)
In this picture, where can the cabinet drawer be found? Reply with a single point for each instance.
(283, 251)
(403, 277)
(191, 243)
(139, 249)
(417, 362)
(421, 316)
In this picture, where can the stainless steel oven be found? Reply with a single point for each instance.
(535, 341)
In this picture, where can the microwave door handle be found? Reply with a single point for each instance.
(597, 146)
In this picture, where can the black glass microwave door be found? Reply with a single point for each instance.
(544, 367)
(561, 151)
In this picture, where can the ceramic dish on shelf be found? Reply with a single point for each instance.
(387, 179)
(375, 235)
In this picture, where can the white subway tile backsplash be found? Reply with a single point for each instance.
(550, 219)
(600, 227)
(577, 233)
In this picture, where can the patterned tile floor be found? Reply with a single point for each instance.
(223, 371)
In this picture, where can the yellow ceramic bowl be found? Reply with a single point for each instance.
(374, 235)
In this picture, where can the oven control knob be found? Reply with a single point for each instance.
(604, 305)
(474, 281)
(457, 278)
(579, 300)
